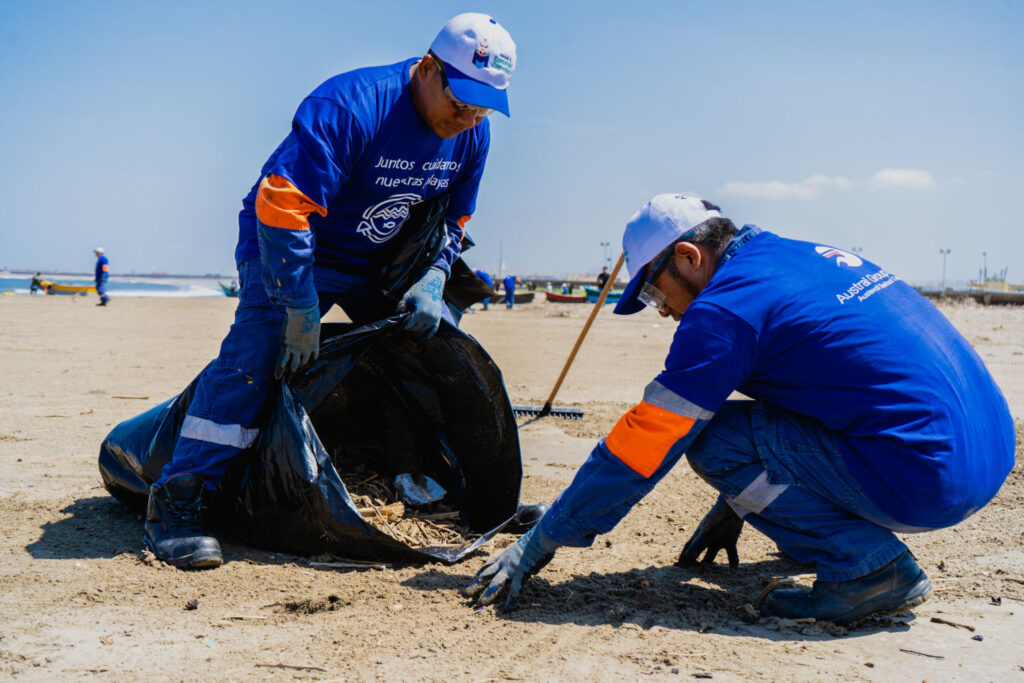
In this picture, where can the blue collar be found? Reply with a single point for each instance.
(746, 233)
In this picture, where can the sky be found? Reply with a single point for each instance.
(892, 128)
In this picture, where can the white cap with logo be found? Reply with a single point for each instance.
(661, 221)
(479, 57)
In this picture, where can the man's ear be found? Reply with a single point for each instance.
(690, 254)
(425, 66)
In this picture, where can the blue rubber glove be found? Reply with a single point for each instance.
(301, 341)
(424, 300)
(719, 530)
(513, 566)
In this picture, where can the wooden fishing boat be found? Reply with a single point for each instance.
(523, 297)
(228, 290)
(557, 298)
(51, 287)
(593, 293)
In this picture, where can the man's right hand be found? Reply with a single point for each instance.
(301, 341)
(719, 530)
(516, 564)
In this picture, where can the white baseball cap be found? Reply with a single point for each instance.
(661, 221)
(98, 250)
(479, 58)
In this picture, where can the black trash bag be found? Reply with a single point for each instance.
(420, 240)
(377, 400)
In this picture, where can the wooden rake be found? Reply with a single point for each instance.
(538, 412)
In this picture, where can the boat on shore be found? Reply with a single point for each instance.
(51, 287)
(523, 297)
(593, 293)
(556, 298)
(229, 290)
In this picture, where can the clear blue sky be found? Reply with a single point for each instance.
(895, 127)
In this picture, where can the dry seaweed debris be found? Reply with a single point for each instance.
(379, 505)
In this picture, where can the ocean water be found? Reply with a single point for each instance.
(125, 285)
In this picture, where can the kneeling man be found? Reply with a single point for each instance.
(871, 415)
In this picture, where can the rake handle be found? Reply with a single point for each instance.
(583, 333)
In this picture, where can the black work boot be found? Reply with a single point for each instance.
(174, 529)
(892, 588)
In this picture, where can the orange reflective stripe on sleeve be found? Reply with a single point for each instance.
(282, 205)
(106, 268)
(461, 222)
(642, 437)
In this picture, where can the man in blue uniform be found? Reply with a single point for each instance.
(871, 415)
(318, 228)
(487, 280)
(102, 275)
(509, 283)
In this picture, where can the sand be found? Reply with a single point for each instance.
(80, 600)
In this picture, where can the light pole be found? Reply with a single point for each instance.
(945, 253)
(605, 249)
(984, 272)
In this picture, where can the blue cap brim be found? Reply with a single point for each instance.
(474, 92)
(628, 303)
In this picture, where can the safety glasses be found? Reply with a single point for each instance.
(460, 106)
(649, 294)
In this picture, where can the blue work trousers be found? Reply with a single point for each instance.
(234, 392)
(510, 298)
(101, 289)
(784, 473)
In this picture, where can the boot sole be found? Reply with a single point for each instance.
(194, 561)
(923, 593)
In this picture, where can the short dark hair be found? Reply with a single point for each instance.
(714, 234)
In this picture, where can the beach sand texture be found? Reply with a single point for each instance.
(80, 601)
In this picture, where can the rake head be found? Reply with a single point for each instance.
(547, 409)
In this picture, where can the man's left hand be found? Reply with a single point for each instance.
(424, 299)
(719, 530)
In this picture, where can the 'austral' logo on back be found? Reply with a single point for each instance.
(843, 258)
(381, 221)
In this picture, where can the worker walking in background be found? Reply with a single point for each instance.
(871, 415)
(509, 283)
(602, 277)
(489, 281)
(37, 283)
(102, 275)
(319, 227)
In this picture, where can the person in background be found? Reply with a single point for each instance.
(37, 283)
(489, 281)
(602, 277)
(871, 415)
(509, 283)
(102, 275)
(565, 288)
(318, 228)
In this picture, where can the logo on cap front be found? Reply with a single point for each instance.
(480, 55)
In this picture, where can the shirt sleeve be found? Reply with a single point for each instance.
(711, 354)
(326, 142)
(302, 176)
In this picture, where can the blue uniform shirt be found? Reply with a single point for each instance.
(359, 149)
(102, 268)
(808, 328)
